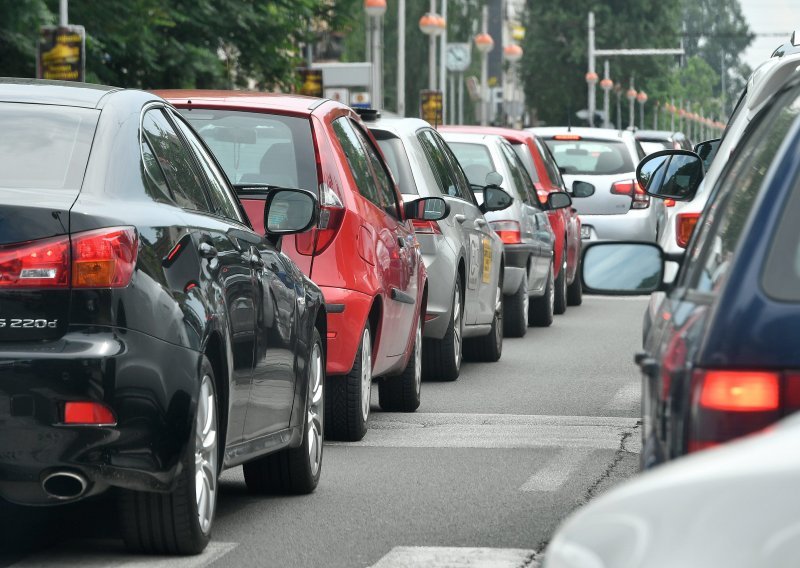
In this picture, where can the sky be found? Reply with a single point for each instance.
(769, 16)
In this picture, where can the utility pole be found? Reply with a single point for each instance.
(432, 55)
(443, 64)
(63, 13)
(591, 75)
(401, 57)
(722, 80)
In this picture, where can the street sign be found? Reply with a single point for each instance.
(458, 57)
(430, 103)
(311, 81)
(61, 54)
(360, 99)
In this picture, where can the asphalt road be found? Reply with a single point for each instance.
(481, 475)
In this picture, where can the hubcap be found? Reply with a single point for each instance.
(366, 373)
(205, 455)
(498, 314)
(418, 358)
(552, 287)
(314, 427)
(457, 331)
(526, 300)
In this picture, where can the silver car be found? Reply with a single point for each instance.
(462, 255)
(528, 287)
(619, 209)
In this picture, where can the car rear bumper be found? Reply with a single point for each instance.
(149, 384)
(635, 225)
(347, 314)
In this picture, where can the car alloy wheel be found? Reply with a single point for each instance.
(206, 455)
(366, 373)
(458, 329)
(315, 414)
(498, 315)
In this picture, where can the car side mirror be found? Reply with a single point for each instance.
(290, 211)
(707, 151)
(559, 200)
(427, 209)
(622, 268)
(582, 189)
(495, 199)
(671, 174)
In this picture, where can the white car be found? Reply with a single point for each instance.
(735, 506)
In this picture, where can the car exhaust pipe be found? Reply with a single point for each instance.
(64, 485)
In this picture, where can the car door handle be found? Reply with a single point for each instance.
(480, 222)
(207, 250)
(459, 218)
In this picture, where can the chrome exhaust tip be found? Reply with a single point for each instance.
(65, 485)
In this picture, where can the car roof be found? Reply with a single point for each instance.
(510, 134)
(768, 78)
(63, 93)
(252, 100)
(659, 134)
(596, 133)
(471, 138)
(398, 126)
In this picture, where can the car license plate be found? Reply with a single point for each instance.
(586, 232)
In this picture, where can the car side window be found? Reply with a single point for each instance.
(221, 197)
(176, 162)
(455, 167)
(445, 177)
(357, 160)
(379, 168)
(154, 180)
(521, 178)
(550, 165)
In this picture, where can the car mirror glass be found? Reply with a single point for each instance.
(558, 200)
(288, 211)
(427, 209)
(495, 199)
(671, 174)
(623, 268)
(582, 189)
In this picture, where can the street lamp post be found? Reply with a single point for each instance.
(591, 75)
(401, 57)
(641, 98)
(484, 44)
(432, 24)
(631, 94)
(618, 92)
(512, 53)
(606, 84)
(375, 10)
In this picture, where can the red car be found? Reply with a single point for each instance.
(565, 222)
(363, 253)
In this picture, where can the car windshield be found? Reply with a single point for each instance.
(258, 147)
(595, 157)
(475, 160)
(44, 147)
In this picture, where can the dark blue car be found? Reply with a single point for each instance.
(722, 359)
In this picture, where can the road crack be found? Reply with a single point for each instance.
(619, 454)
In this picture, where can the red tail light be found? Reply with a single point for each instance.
(631, 188)
(426, 227)
(105, 258)
(740, 391)
(684, 227)
(669, 203)
(35, 264)
(331, 213)
(88, 414)
(566, 137)
(508, 231)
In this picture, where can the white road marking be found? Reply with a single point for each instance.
(503, 431)
(627, 398)
(604, 298)
(111, 555)
(456, 557)
(556, 472)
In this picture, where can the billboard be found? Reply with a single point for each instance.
(61, 54)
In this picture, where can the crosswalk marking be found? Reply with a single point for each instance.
(105, 554)
(456, 557)
(556, 471)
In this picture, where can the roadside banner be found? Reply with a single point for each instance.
(61, 53)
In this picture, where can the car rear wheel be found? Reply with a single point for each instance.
(348, 396)
(541, 310)
(489, 348)
(296, 470)
(441, 358)
(515, 310)
(402, 393)
(560, 303)
(575, 290)
(180, 522)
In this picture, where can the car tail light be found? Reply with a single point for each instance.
(104, 258)
(35, 264)
(669, 203)
(631, 188)
(566, 137)
(426, 227)
(727, 404)
(684, 227)
(88, 414)
(508, 231)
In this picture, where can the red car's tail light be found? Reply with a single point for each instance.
(88, 414)
(669, 203)
(684, 227)
(426, 227)
(104, 258)
(508, 231)
(631, 188)
(35, 264)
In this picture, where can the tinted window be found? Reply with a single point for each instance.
(524, 154)
(454, 167)
(176, 162)
(443, 171)
(475, 159)
(520, 176)
(259, 147)
(357, 159)
(44, 147)
(655, 146)
(397, 160)
(155, 182)
(598, 157)
(550, 164)
(385, 183)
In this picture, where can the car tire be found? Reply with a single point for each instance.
(541, 310)
(296, 471)
(348, 396)
(560, 300)
(441, 358)
(180, 522)
(402, 393)
(575, 290)
(515, 310)
(489, 348)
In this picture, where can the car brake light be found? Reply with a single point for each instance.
(740, 391)
(426, 227)
(508, 231)
(684, 227)
(566, 137)
(88, 414)
(104, 258)
(35, 264)
(631, 188)
(669, 203)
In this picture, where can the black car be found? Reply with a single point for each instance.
(721, 359)
(149, 338)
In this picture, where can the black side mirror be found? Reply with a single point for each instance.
(495, 199)
(671, 174)
(559, 200)
(427, 209)
(290, 211)
(582, 189)
(707, 151)
(622, 268)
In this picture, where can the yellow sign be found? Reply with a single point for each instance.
(62, 53)
(430, 104)
(311, 82)
(487, 260)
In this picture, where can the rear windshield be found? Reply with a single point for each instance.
(258, 147)
(475, 160)
(596, 157)
(650, 146)
(44, 147)
(524, 154)
(397, 161)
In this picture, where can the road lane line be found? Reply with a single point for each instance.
(627, 398)
(108, 554)
(456, 557)
(557, 471)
